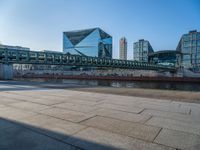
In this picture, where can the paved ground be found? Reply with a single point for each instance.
(54, 119)
(181, 96)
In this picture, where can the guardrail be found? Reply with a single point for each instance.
(9, 56)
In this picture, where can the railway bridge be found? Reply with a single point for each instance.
(8, 57)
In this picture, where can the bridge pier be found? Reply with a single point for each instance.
(6, 71)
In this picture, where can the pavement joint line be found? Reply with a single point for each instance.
(17, 99)
(142, 110)
(126, 121)
(165, 145)
(176, 130)
(58, 118)
(87, 119)
(122, 134)
(168, 111)
(133, 137)
(35, 111)
(157, 134)
(80, 130)
(35, 103)
(148, 119)
(118, 110)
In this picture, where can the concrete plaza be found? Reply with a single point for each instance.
(33, 117)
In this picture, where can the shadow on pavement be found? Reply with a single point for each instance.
(15, 135)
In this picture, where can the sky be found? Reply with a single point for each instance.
(39, 24)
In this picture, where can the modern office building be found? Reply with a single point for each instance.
(189, 47)
(141, 50)
(89, 42)
(123, 48)
(165, 57)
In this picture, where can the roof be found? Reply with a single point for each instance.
(164, 52)
(76, 36)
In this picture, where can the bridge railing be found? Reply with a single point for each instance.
(50, 58)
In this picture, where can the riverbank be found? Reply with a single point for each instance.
(183, 96)
(175, 95)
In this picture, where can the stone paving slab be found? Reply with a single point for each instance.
(130, 100)
(122, 115)
(77, 107)
(130, 109)
(190, 127)
(4, 100)
(66, 114)
(166, 107)
(14, 96)
(14, 113)
(19, 138)
(163, 106)
(29, 106)
(181, 140)
(35, 98)
(171, 115)
(80, 102)
(147, 133)
(59, 128)
(45, 101)
(101, 140)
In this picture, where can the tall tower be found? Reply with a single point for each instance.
(123, 48)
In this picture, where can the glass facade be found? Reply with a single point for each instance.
(141, 50)
(90, 42)
(165, 57)
(189, 46)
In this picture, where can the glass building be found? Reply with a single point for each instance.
(123, 48)
(189, 46)
(141, 50)
(89, 42)
(165, 57)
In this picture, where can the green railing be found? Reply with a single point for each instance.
(9, 56)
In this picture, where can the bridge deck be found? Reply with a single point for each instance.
(48, 58)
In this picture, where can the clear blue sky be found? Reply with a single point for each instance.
(39, 24)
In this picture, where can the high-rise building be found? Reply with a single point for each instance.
(141, 50)
(123, 48)
(189, 47)
(89, 42)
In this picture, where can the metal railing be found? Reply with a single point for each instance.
(9, 56)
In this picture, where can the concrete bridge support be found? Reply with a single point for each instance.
(6, 71)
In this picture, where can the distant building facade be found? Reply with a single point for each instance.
(89, 42)
(141, 50)
(14, 47)
(189, 46)
(123, 48)
(165, 57)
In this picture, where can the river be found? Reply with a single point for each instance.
(186, 86)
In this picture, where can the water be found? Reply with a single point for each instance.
(182, 86)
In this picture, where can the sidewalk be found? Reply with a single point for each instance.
(40, 118)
